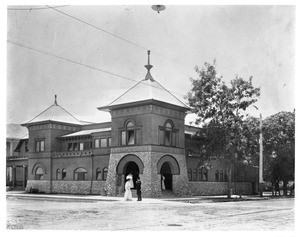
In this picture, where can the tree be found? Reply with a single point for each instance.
(218, 108)
(279, 147)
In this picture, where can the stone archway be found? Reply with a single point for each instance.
(167, 166)
(128, 164)
(174, 166)
(129, 158)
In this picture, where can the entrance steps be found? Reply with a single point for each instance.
(167, 193)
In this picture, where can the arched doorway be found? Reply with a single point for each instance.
(166, 176)
(128, 164)
(131, 168)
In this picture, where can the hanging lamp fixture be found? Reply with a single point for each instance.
(158, 8)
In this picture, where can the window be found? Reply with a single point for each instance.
(200, 175)
(128, 135)
(225, 176)
(168, 134)
(70, 146)
(205, 175)
(195, 174)
(39, 174)
(109, 141)
(39, 145)
(8, 173)
(57, 174)
(221, 176)
(98, 174)
(103, 142)
(78, 146)
(105, 173)
(80, 174)
(63, 174)
(96, 143)
(217, 176)
(190, 174)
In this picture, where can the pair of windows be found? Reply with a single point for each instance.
(101, 175)
(197, 175)
(76, 146)
(102, 142)
(61, 175)
(40, 145)
(168, 134)
(221, 176)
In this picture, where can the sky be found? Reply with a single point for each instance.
(251, 40)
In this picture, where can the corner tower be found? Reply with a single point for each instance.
(148, 139)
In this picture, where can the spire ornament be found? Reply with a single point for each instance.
(148, 66)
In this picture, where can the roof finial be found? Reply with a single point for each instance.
(55, 102)
(148, 66)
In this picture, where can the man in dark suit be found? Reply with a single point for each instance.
(138, 189)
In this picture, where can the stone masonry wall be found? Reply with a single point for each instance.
(41, 185)
(74, 187)
(218, 188)
(70, 187)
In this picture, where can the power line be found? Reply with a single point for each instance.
(78, 63)
(69, 60)
(107, 32)
(98, 28)
(33, 8)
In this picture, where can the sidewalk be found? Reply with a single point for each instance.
(96, 198)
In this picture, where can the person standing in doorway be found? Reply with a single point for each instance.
(163, 187)
(138, 189)
(128, 194)
(130, 178)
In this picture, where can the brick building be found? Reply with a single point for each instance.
(146, 137)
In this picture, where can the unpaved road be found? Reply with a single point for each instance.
(261, 215)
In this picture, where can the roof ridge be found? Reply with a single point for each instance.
(171, 94)
(70, 114)
(125, 92)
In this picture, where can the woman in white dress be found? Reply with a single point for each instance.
(130, 177)
(128, 194)
(163, 187)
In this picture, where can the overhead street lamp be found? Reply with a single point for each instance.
(158, 8)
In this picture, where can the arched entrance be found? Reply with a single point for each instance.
(166, 176)
(131, 168)
(128, 164)
(167, 166)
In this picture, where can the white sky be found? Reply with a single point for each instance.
(244, 40)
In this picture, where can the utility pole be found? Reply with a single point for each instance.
(260, 158)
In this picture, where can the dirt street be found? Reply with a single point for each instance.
(274, 214)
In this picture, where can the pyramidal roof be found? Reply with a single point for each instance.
(146, 90)
(55, 113)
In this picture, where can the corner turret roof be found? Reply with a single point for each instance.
(54, 113)
(146, 90)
